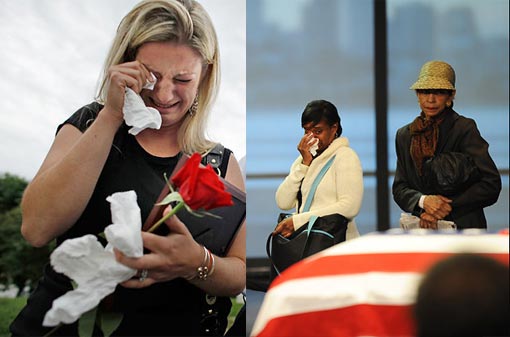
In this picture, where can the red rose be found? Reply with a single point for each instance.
(200, 187)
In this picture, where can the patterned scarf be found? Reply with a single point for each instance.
(424, 136)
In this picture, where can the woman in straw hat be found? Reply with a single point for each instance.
(424, 185)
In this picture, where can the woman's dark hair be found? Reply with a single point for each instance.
(319, 110)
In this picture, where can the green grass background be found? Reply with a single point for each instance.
(9, 308)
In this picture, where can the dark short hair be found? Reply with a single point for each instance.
(464, 295)
(319, 110)
(437, 91)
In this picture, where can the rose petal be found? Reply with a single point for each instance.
(200, 187)
(185, 172)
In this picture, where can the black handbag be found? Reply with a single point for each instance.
(450, 173)
(317, 234)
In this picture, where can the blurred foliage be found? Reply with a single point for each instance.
(20, 263)
(11, 191)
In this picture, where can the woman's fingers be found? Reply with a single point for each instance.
(277, 230)
(133, 75)
(135, 283)
(147, 261)
(285, 228)
(304, 148)
(122, 80)
(428, 221)
(438, 206)
(445, 199)
(152, 263)
(305, 142)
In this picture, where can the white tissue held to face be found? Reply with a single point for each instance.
(150, 84)
(136, 114)
(315, 146)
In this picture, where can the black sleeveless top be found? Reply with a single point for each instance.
(171, 308)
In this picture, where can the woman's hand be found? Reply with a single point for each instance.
(437, 206)
(304, 148)
(172, 256)
(285, 228)
(132, 75)
(428, 221)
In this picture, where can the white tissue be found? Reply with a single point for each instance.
(94, 267)
(150, 85)
(137, 115)
(408, 221)
(315, 146)
(124, 233)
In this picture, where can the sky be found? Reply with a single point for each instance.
(51, 59)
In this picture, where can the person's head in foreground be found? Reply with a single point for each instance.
(464, 295)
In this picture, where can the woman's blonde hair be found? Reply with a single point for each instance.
(184, 22)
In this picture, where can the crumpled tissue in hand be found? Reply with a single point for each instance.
(136, 114)
(409, 221)
(314, 147)
(94, 267)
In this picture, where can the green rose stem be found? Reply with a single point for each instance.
(166, 217)
(53, 330)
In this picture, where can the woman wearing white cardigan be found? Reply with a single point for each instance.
(340, 190)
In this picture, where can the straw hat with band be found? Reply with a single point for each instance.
(435, 75)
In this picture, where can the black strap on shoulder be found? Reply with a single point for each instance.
(215, 157)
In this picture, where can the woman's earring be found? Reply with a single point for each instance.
(194, 107)
(449, 104)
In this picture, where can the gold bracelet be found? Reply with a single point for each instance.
(206, 260)
(204, 270)
(212, 265)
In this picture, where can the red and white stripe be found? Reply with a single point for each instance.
(362, 287)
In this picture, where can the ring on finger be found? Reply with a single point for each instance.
(143, 275)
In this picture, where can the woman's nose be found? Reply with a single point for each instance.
(164, 91)
(431, 97)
